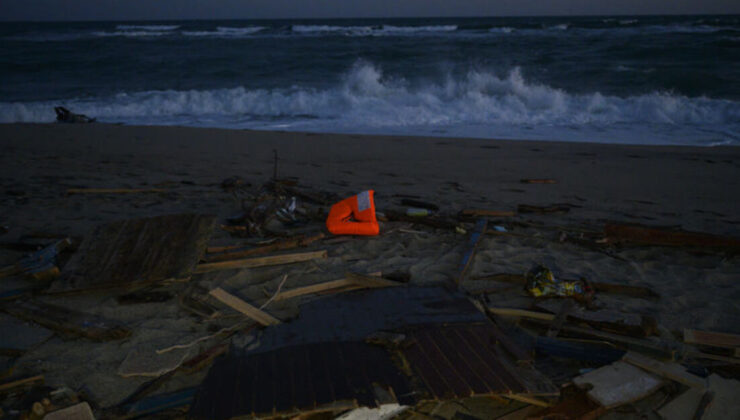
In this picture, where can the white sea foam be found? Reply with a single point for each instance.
(226, 32)
(366, 100)
(503, 29)
(370, 30)
(131, 34)
(147, 27)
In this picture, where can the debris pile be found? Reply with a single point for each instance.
(261, 343)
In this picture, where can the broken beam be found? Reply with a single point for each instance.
(250, 311)
(260, 261)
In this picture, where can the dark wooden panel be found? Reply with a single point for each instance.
(447, 342)
(137, 251)
(435, 383)
(428, 344)
(481, 345)
(484, 372)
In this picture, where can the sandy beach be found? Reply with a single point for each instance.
(694, 188)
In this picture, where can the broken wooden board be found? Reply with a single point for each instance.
(712, 339)
(617, 384)
(250, 311)
(646, 235)
(323, 376)
(672, 371)
(71, 191)
(487, 213)
(542, 319)
(260, 261)
(282, 245)
(475, 236)
(135, 252)
(555, 208)
(21, 383)
(19, 337)
(150, 363)
(725, 403)
(633, 325)
(581, 350)
(538, 181)
(682, 407)
(339, 285)
(81, 411)
(66, 321)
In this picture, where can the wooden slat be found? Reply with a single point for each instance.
(21, 382)
(672, 371)
(538, 181)
(480, 228)
(234, 302)
(370, 281)
(261, 261)
(114, 190)
(521, 313)
(487, 213)
(358, 281)
(709, 338)
(278, 246)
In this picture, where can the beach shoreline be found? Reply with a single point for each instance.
(695, 188)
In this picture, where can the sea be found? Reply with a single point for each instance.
(659, 80)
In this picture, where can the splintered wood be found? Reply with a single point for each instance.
(252, 312)
(261, 261)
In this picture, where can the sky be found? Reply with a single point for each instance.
(22, 10)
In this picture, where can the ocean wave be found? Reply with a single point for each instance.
(131, 34)
(365, 97)
(158, 28)
(377, 30)
(226, 32)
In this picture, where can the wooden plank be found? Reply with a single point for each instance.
(630, 324)
(618, 384)
(338, 285)
(555, 208)
(67, 321)
(278, 246)
(642, 346)
(487, 213)
(71, 191)
(521, 313)
(370, 281)
(527, 399)
(709, 338)
(726, 359)
(33, 380)
(646, 235)
(478, 231)
(672, 371)
(538, 181)
(234, 302)
(261, 261)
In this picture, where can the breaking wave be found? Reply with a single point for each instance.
(227, 32)
(365, 99)
(147, 27)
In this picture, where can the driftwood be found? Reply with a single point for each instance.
(67, 321)
(646, 235)
(555, 208)
(250, 311)
(260, 261)
(291, 243)
(487, 213)
(71, 191)
(538, 181)
(712, 339)
(479, 230)
(66, 116)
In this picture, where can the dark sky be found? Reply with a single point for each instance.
(257, 9)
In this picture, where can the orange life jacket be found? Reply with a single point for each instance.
(361, 208)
